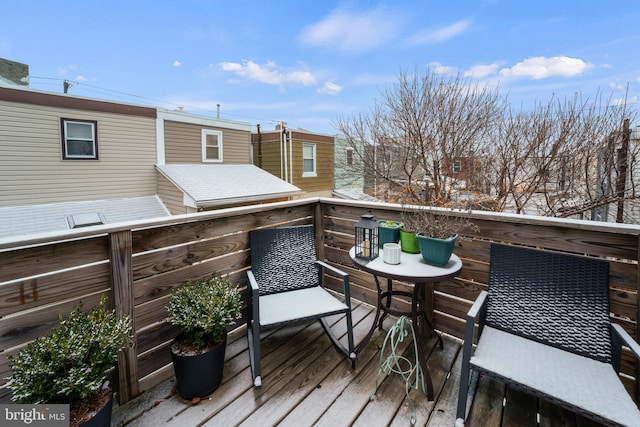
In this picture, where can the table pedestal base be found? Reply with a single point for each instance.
(417, 309)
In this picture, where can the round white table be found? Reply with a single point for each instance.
(412, 269)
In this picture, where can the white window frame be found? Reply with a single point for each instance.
(313, 154)
(218, 134)
(349, 156)
(65, 139)
(457, 166)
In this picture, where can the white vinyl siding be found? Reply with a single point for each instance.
(32, 170)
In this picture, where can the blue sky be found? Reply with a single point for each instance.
(309, 62)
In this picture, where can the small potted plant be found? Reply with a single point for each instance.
(388, 231)
(436, 234)
(203, 309)
(70, 365)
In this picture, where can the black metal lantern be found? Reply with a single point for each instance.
(366, 238)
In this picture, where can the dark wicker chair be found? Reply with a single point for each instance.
(544, 328)
(285, 285)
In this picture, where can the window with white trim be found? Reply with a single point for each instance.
(457, 166)
(308, 159)
(211, 145)
(349, 156)
(79, 139)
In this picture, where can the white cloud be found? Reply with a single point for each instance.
(177, 63)
(66, 69)
(330, 88)
(541, 67)
(352, 32)
(626, 101)
(482, 70)
(81, 79)
(268, 73)
(439, 68)
(440, 34)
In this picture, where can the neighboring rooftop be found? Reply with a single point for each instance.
(32, 219)
(353, 194)
(13, 73)
(218, 185)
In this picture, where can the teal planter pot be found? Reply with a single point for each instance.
(388, 232)
(436, 251)
(408, 242)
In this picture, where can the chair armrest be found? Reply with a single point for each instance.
(478, 304)
(473, 312)
(253, 298)
(332, 268)
(252, 280)
(345, 280)
(620, 337)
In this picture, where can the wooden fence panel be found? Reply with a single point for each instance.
(142, 265)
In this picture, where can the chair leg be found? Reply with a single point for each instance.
(350, 353)
(253, 336)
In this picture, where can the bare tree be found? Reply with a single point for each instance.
(422, 122)
(562, 158)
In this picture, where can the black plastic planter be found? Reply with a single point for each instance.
(102, 418)
(201, 374)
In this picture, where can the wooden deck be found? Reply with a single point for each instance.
(306, 382)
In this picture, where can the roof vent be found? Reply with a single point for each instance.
(85, 220)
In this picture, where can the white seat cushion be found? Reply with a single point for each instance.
(298, 304)
(579, 381)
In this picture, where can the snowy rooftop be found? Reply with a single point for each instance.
(31, 219)
(214, 185)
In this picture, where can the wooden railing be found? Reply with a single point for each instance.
(138, 264)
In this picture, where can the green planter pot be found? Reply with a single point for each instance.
(408, 242)
(436, 251)
(388, 232)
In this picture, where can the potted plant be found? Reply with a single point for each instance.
(388, 231)
(70, 365)
(407, 233)
(203, 309)
(436, 234)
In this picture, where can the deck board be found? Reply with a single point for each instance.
(307, 382)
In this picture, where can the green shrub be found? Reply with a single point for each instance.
(204, 309)
(70, 364)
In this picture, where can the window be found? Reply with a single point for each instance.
(349, 156)
(308, 160)
(211, 145)
(79, 139)
(457, 166)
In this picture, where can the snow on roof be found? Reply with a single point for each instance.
(31, 219)
(219, 184)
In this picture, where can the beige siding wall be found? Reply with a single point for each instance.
(171, 196)
(32, 170)
(270, 157)
(183, 143)
(323, 181)
(320, 185)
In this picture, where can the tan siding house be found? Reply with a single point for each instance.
(183, 138)
(205, 163)
(305, 159)
(33, 169)
(68, 162)
(171, 196)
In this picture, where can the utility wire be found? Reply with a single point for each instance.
(156, 102)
